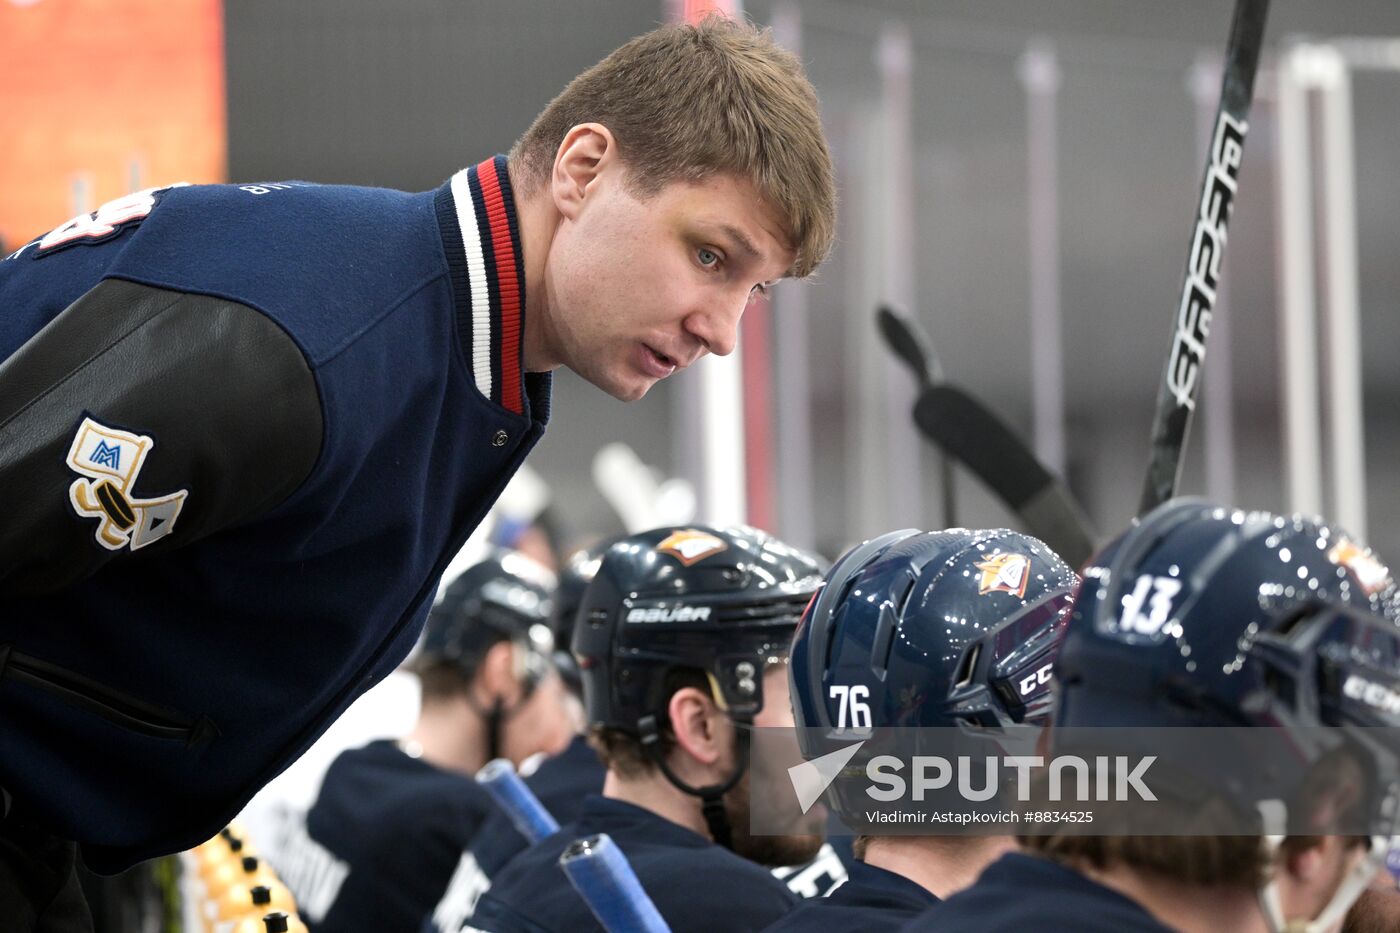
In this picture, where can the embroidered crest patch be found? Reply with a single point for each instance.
(108, 461)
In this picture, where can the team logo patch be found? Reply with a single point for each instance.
(690, 546)
(108, 461)
(1369, 572)
(1004, 573)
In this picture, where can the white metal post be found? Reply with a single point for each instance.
(1297, 337)
(1039, 71)
(1344, 369)
(902, 468)
(792, 360)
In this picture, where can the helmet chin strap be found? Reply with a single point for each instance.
(1350, 888)
(711, 795)
(496, 716)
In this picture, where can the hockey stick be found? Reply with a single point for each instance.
(602, 876)
(962, 427)
(511, 794)
(912, 346)
(1181, 379)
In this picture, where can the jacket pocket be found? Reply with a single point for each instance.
(111, 704)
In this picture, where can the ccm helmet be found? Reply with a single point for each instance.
(723, 601)
(929, 629)
(1206, 616)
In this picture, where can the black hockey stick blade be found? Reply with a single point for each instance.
(964, 428)
(1176, 399)
(908, 343)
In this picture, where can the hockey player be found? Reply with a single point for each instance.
(680, 639)
(564, 781)
(243, 428)
(392, 818)
(1203, 617)
(560, 782)
(879, 632)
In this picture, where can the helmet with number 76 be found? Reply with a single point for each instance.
(928, 629)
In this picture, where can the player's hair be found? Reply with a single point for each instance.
(440, 680)
(622, 753)
(1226, 861)
(687, 102)
(1206, 861)
(1160, 841)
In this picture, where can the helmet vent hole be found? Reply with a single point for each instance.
(1290, 624)
(902, 599)
(967, 667)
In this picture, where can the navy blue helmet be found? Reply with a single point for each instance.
(928, 629)
(723, 601)
(574, 578)
(1204, 616)
(504, 596)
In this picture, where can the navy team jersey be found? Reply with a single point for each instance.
(393, 826)
(1022, 892)
(243, 429)
(695, 884)
(873, 899)
(561, 783)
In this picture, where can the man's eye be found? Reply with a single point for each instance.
(707, 257)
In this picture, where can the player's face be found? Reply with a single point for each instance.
(793, 849)
(1307, 882)
(638, 288)
(541, 722)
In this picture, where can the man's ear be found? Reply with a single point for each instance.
(586, 151)
(695, 722)
(495, 676)
(1308, 865)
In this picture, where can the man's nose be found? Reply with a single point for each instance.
(717, 326)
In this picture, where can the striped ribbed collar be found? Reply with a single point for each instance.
(476, 211)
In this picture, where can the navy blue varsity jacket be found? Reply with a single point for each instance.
(243, 429)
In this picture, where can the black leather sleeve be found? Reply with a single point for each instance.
(223, 394)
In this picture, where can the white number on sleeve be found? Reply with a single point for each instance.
(105, 219)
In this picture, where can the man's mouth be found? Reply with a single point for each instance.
(655, 363)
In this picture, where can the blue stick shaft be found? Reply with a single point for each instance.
(604, 879)
(518, 801)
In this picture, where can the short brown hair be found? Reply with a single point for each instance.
(622, 752)
(686, 102)
(440, 680)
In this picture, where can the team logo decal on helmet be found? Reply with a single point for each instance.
(1004, 573)
(690, 546)
(1369, 572)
